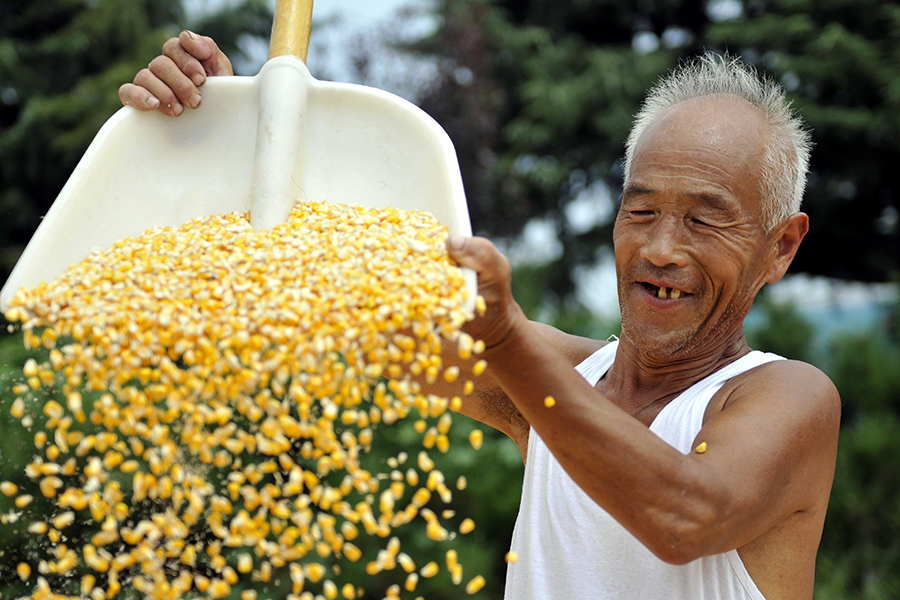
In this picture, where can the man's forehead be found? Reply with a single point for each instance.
(707, 146)
(721, 123)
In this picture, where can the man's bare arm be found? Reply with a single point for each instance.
(489, 403)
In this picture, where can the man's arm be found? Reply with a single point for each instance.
(771, 449)
(489, 403)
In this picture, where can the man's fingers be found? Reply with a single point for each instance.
(187, 63)
(477, 253)
(210, 60)
(169, 83)
(138, 97)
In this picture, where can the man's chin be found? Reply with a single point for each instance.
(660, 345)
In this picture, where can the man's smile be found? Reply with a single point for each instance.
(664, 292)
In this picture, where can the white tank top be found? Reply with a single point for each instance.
(571, 549)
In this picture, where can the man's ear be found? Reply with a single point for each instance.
(787, 240)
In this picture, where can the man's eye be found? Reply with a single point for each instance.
(703, 222)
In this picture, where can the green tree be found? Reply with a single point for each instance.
(539, 98)
(840, 61)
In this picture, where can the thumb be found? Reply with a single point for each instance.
(480, 255)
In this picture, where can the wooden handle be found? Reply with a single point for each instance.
(290, 28)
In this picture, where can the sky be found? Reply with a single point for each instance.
(340, 27)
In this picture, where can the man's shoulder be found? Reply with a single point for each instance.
(575, 348)
(791, 384)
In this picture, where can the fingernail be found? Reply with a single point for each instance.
(191, 34)
(456, 242)
(198, 79)
(177, 109)
(195, 101)
(152, 102)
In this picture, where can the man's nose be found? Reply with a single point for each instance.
(665, 243)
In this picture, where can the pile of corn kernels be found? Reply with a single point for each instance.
(221, 389)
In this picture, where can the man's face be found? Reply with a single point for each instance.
(691, 251)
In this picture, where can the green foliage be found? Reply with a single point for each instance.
(860, 554)
(840, 62)
(783, 330)
(859, 557)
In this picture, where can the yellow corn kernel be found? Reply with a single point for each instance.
(549, 401)
(475, 584)
(24, 571)
(512, 556)
(411, 581)
(467, 526)
(8, 488)
(701, 448)
(435, 532)
(407, 563)
(17, 409)
(429, 570)
(476, 438)
(456, 574)
(38, 528)
(218, 588)
(87, 584)
(63, 520)
(480, 305)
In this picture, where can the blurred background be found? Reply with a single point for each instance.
(538, 97)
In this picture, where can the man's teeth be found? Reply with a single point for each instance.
(666, 293)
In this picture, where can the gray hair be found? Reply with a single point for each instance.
(786, 157)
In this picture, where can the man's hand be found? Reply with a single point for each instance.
(502, 314)
(172, 80)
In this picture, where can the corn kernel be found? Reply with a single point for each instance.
(475, 584)
(429, 570)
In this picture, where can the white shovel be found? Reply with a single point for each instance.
(259, 143)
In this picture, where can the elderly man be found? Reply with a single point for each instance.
(676, 462)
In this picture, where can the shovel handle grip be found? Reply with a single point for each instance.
(290, 28)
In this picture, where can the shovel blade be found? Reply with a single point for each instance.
(362, 146)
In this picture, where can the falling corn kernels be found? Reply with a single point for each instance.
(549, 401)
(701, 448)
(215, 351)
